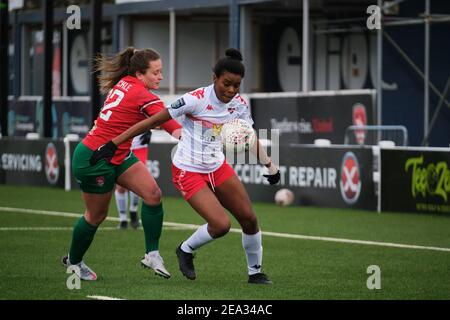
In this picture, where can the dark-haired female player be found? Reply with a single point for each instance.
(200, 171)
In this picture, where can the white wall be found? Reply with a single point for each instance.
(195, 54)
(199, 45)
(153, 34)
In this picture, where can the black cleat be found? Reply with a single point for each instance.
(134, 220)
(259, 278)
(65, 261)
(186, 264)
(122, 225)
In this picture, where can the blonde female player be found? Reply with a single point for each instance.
(128, 77)
(200, 170)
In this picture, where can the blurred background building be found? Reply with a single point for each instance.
(341, 52)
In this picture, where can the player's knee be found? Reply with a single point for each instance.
(220, 228)
(153, 197)
(250, 224)
(95, 219)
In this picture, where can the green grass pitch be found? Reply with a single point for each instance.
(300, 268)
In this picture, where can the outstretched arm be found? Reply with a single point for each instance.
(142, 127)
(107, 151)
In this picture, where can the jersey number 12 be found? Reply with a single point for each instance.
(112, 100)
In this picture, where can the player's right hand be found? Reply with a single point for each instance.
(105, 151)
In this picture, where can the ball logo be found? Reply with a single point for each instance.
(51, 164)
(350, 178)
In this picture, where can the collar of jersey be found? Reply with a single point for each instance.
(134, 80)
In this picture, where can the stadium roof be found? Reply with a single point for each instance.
(330, 8)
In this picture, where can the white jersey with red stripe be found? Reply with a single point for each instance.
(200, 148)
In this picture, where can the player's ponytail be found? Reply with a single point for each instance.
(127, 62)
(232, 62)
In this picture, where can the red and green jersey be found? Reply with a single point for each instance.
(127, 103)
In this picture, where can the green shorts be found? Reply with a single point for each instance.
(101, 177)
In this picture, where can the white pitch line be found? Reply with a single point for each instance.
(103, 298)
(266, 233)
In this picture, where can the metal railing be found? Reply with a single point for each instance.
(372, 135)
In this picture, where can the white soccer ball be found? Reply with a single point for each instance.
(284, 197)
(237, 135)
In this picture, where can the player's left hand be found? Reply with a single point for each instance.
(145, 138)
(274, 174)
(273, 178)
(105, 151)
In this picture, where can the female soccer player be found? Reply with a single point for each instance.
(127, 77)
(139, 146)
(200, 170)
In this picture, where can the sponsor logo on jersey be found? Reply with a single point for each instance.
(178, 104)
(350, 178)
(199, 93)
(209, 107)
(241, 99)
(217, 128)
(51, 164)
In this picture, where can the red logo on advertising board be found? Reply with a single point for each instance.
(359, 119)
(350, 178)
(51, 164)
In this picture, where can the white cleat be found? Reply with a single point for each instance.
(83, 271)
(154, 261)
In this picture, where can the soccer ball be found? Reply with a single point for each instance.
(237, 135)
(284, 197)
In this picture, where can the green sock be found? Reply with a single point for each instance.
(152, 221)
(83, 234)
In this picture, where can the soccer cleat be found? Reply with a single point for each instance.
(83, 271)
(122, 225)
(134, 220)
(155, 261)
(259, 278)
(185, 261)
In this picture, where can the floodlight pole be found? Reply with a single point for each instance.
(172, 51)
(380, 69)
(305, 56)
(4, 67)
(234, 24)
(427, 69)
(47, 7)
(96, 48)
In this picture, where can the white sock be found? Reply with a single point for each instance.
(134, 202)
(252, 244)
(122, 204)
(197, 239)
